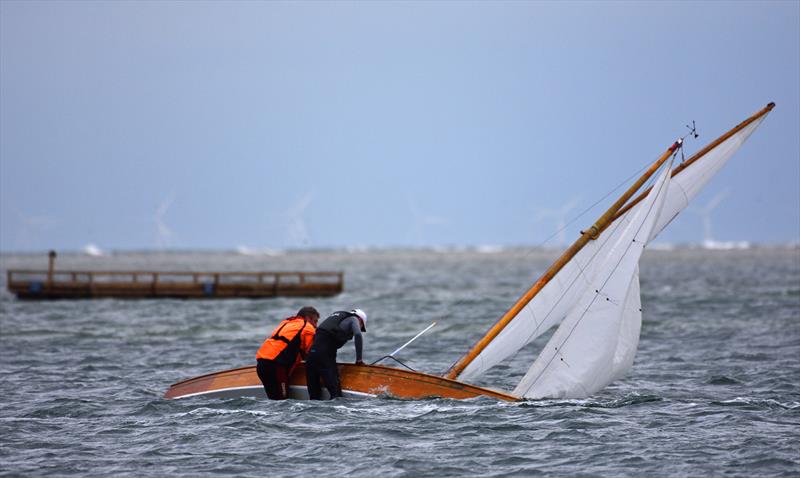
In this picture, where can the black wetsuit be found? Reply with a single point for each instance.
(331, 335)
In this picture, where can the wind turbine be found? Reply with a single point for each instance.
(708, 240)
(705, 213)
(163, 232)
(32, 228)
(422, 221)
(297, 233)
(560, 216)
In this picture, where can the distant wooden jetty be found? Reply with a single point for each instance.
(79, 284)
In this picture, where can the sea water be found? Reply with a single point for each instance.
(713, 391)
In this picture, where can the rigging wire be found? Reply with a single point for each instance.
(692, 132)
(568, 224)
(582, 213)
(600, 288)
(396, 360)
(582, 270)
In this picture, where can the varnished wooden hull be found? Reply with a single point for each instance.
(357, 381)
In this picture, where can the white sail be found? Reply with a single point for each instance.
(549, 307)
(580, 358)
(690, 181)
(629, 330)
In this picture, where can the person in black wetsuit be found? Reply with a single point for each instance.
(331, 335)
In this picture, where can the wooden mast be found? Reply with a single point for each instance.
(585, 237)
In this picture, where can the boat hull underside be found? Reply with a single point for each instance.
(357, 381)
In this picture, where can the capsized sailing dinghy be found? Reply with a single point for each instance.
(591, 292)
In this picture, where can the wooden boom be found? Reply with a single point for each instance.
(698, 155)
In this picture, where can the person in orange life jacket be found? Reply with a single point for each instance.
(332, 334)
(283, 350)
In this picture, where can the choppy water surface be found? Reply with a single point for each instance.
(714, 388)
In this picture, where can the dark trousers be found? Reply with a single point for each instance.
(321, 364)
(275, 378)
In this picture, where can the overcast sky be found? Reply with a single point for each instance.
(214, 125)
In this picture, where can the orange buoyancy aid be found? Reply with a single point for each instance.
(289, 342)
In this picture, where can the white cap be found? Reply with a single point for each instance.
(363, 316)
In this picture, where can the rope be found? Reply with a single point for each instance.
(396, 360)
